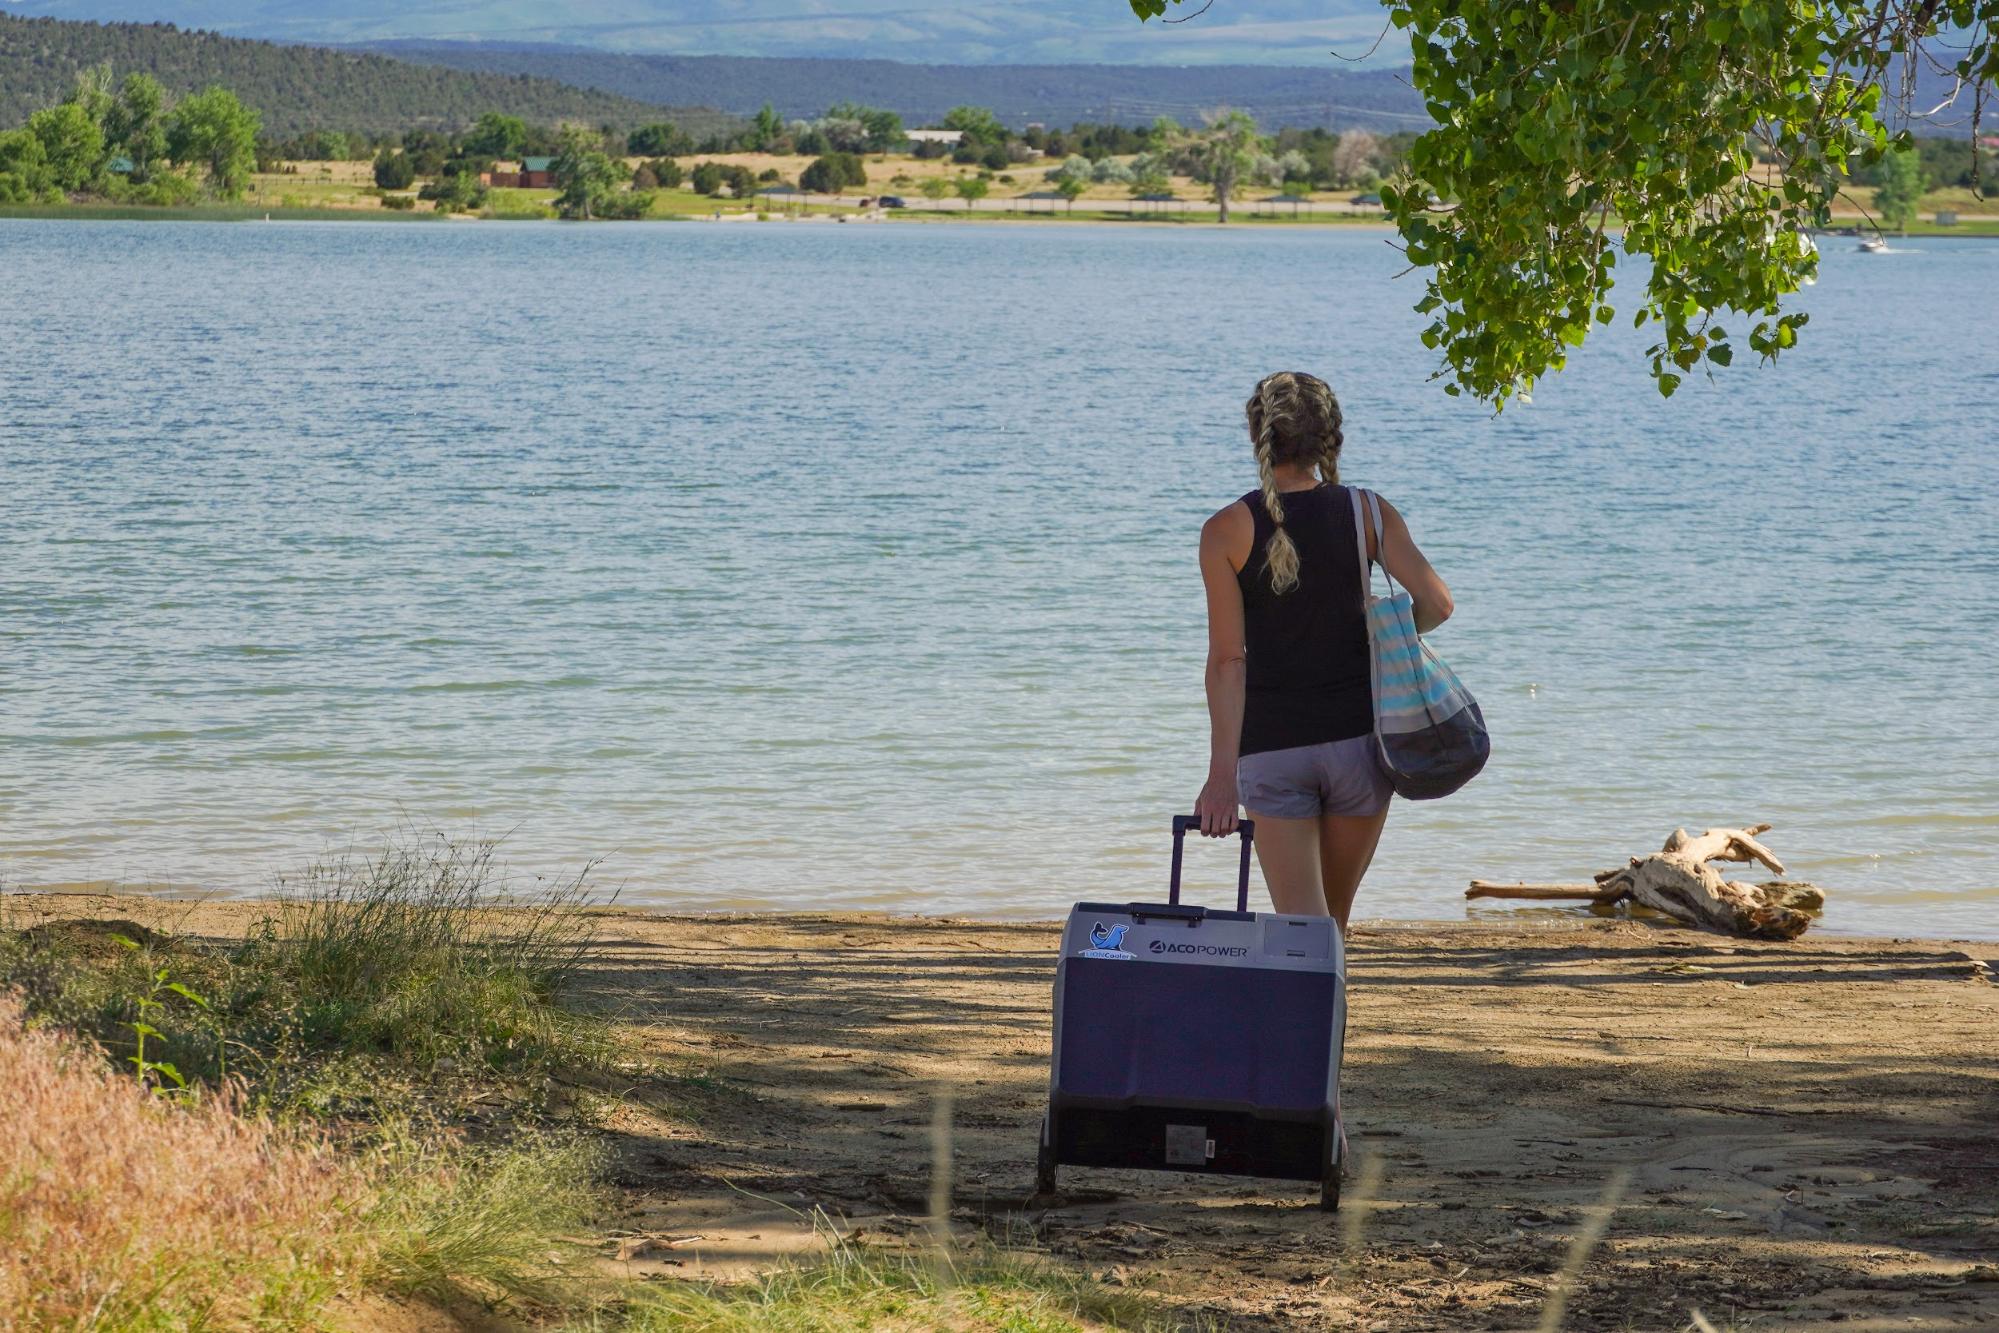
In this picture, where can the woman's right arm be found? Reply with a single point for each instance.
(1405, 562)
(1229, 533)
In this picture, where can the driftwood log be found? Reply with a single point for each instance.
(1681, 880)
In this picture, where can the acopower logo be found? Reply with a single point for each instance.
(1210, 950)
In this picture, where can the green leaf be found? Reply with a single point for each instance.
(1668, 383)
(1720, 354)
(143, 1029)
(185, 993)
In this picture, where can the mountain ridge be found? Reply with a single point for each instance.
(300, 88)
(1058, 94)
(975, 32)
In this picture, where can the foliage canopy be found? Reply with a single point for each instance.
(1715, 135)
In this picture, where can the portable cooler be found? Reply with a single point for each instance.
(1190, 1039)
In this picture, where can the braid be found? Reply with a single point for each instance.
(1267, 410)
(1335, 439)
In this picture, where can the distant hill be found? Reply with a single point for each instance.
(1284, 32)
(1277, 95)
(299, 88)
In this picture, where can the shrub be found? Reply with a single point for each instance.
(834, 172)
(669, 173)
(625, 205)
(399, 203)
(643, 178)
(394, 171)
(406, 952)
(460, 192)
(708, 178)
(164, 189)
(820, 177)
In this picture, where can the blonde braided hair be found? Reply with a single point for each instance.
(1293, 418)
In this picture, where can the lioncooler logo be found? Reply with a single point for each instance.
(1109, 941)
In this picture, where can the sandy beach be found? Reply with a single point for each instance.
(1811, 1129)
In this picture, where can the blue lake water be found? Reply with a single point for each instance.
(833, 567)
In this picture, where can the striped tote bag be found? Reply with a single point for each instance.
(1432, 735)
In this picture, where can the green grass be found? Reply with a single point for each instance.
(855, 1288)
(374, 975)
(421, 952)
(206, 213)
(519, 205)
(1967, 226)
(478, 1223)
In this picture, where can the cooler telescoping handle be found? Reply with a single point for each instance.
(1181, 823)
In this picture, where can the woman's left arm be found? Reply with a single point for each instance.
(1403, 559)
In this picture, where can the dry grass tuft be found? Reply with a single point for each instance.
(120, 1209)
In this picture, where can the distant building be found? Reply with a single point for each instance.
(536, 173)
(949, 138)
(119, 166)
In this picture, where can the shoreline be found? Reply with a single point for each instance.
(1969, 229)
(1524, 919)
(1807, 1128)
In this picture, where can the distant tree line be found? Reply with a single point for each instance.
(1943, 164)
(1294, 159)
(130, 141)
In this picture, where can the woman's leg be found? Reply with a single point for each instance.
(1346, 846)
(1288, 851)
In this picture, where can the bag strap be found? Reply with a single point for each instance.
(1360, 526)
(1360, 544)
(1380, 543)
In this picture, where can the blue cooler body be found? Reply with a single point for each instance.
(1193, 1039)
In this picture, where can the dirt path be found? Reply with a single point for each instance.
(1812, 1129)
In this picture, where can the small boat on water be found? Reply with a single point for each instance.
(1874, 245)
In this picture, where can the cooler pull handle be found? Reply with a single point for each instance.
(1166, 911)
(1181, 823)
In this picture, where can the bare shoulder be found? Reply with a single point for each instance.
(1229, 533)
(1230, 521)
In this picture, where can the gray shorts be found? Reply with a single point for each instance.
(1336, 778)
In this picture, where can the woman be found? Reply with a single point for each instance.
(1290, 700)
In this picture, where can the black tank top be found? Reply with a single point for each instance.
(1308, 679)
